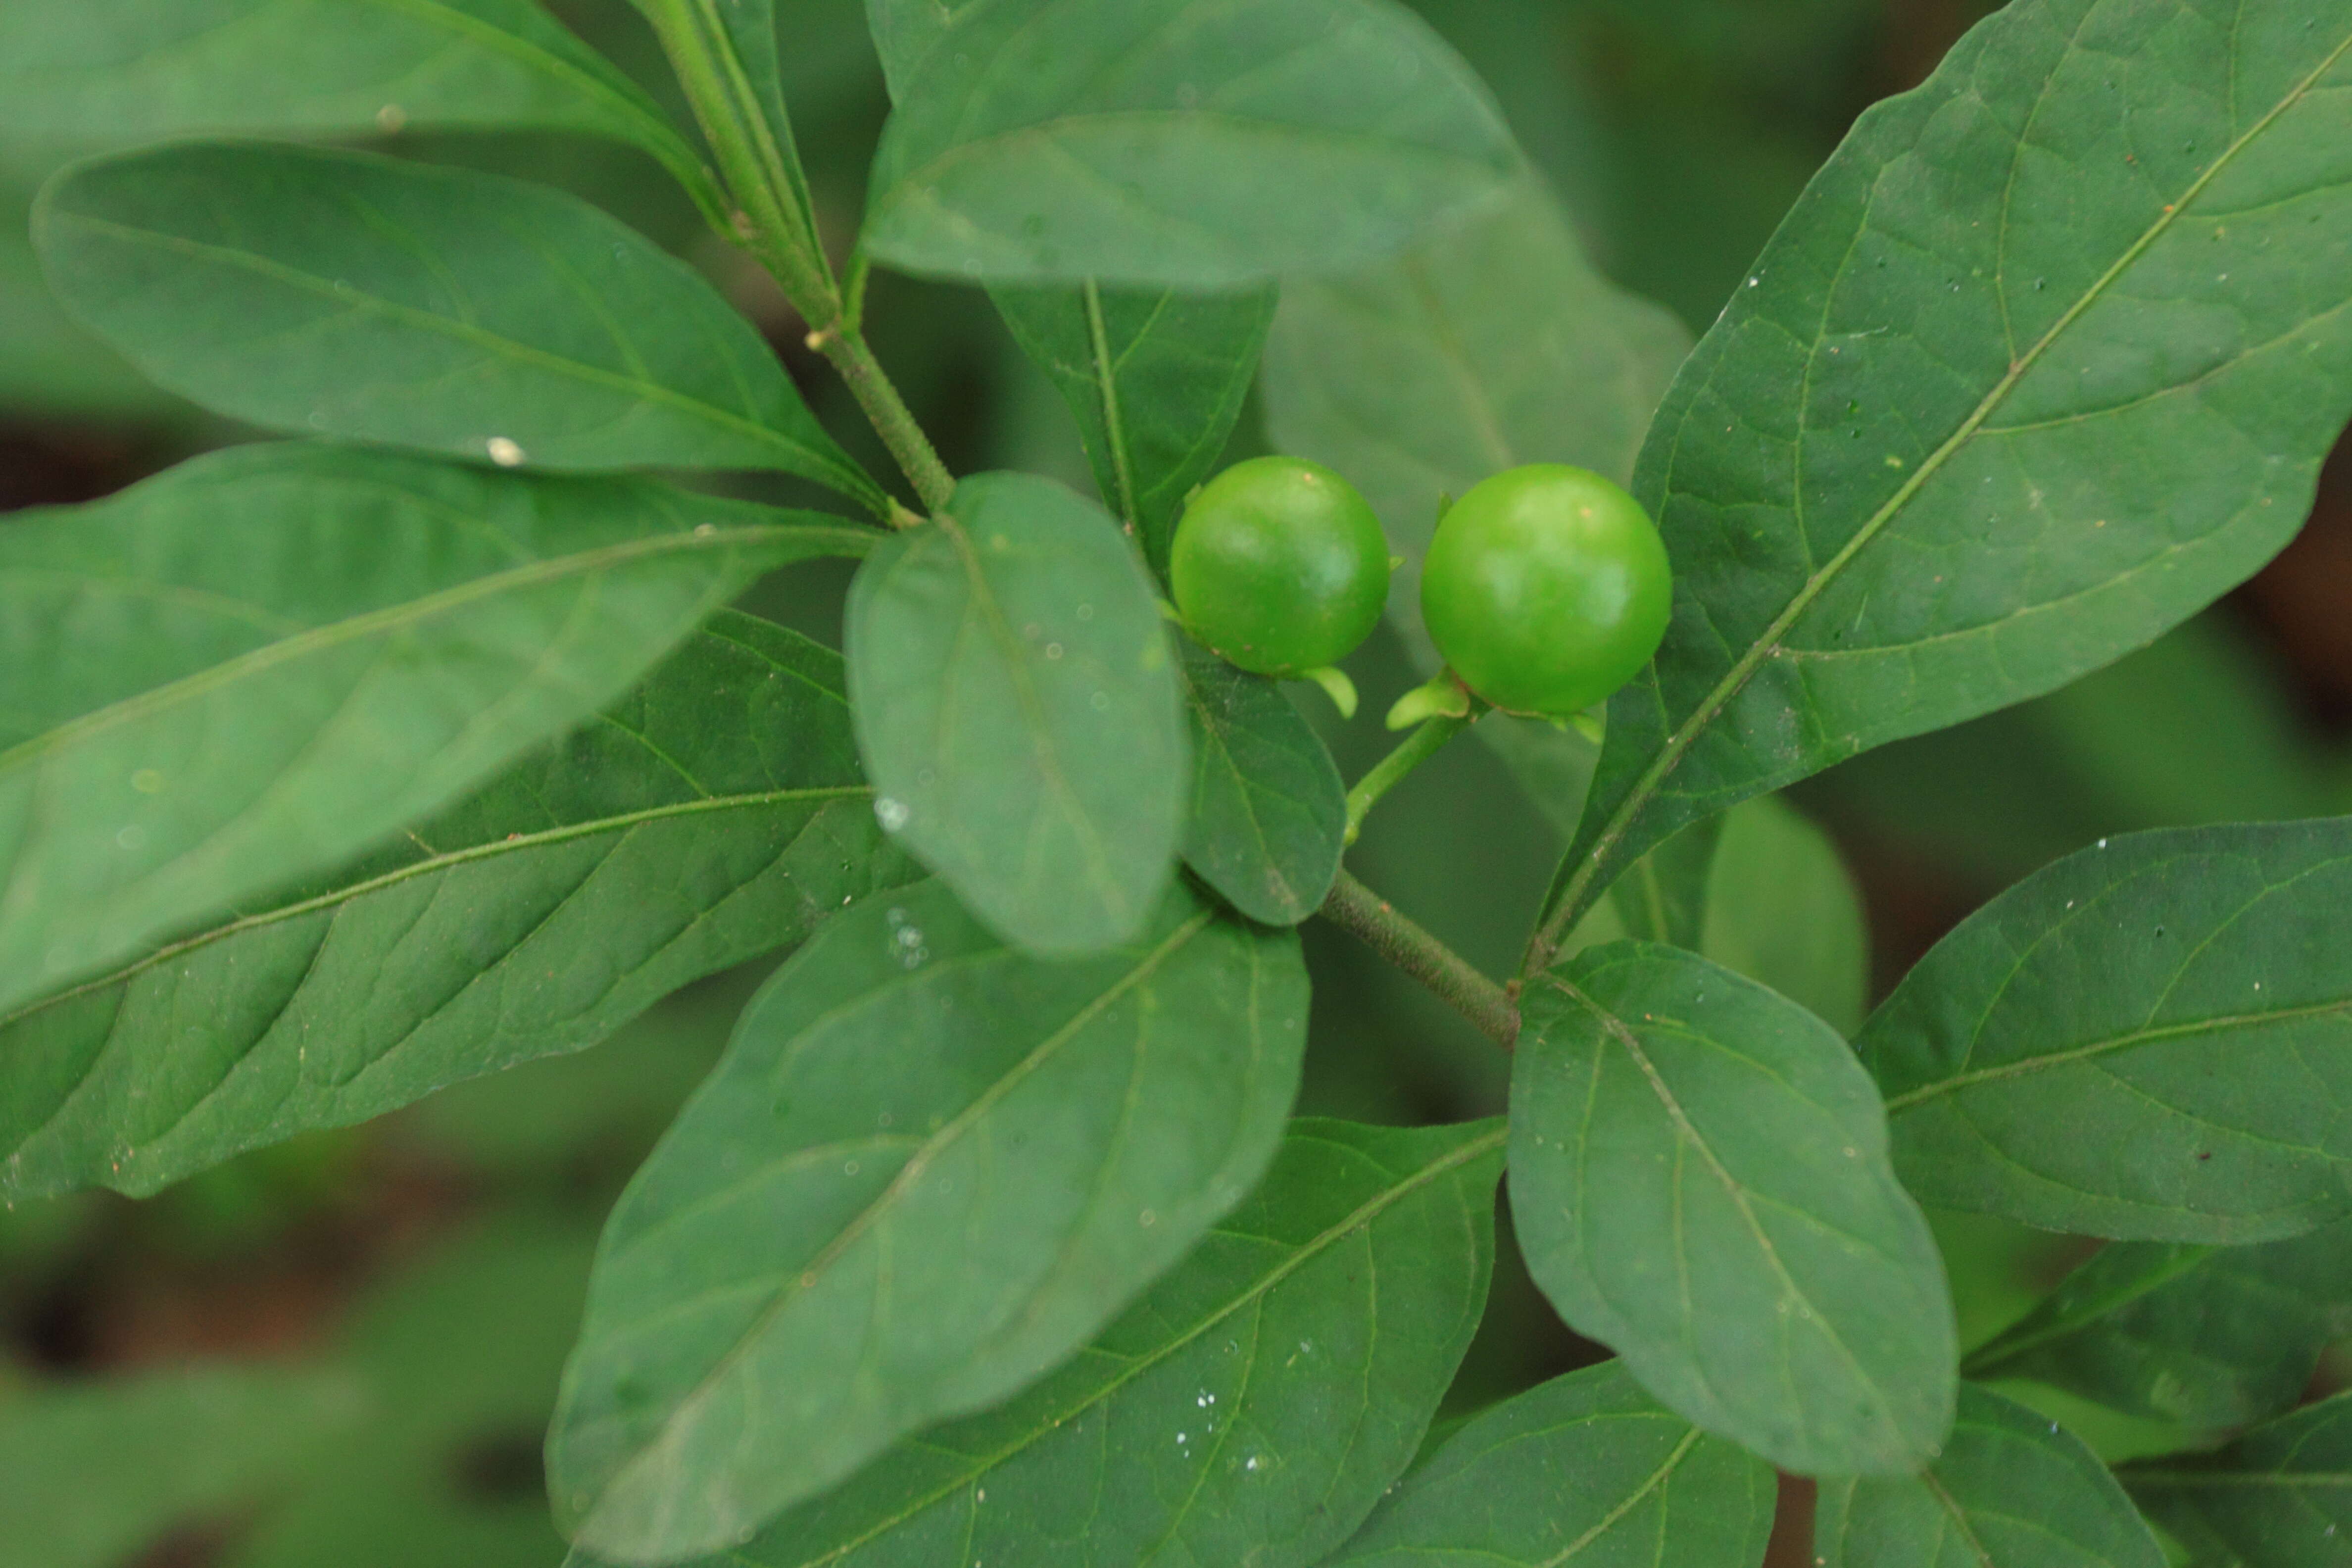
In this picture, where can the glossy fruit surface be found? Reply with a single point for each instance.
(1279, 567)
(1546, 588)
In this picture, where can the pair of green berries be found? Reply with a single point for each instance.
(1546, 587)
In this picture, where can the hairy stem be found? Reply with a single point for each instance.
(887, 413)
(1356, 908)
(1417, 748)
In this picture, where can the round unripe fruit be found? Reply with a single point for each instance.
(1279, 567)
(1546, 588)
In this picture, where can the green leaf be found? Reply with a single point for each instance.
(1664, 899)
(1269, 817)
(1586, 1468)
(1155, 378)
(2207, 1337)
(2145, 1041)
(2009, 1490)
(714, 814)
(98, 1470)
(2276, 1498)
(1250, 1408)
(1020, 712)
(1192, 144)
(1699, 1179)
(1980, 420)
(929, 1168)
(119, 71)
(905, 31)
(342, 294)
(262, 663)
(1492, 344)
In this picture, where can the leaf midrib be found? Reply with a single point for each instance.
(1703, 713)
(1361, 1217)
(906, 1177)
(425, 321)
(393, 617)
(2096, 1049)
(435, 866)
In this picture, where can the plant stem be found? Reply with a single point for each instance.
(887, 413)
(756, 158)
(1356, 908)
(1416, 749)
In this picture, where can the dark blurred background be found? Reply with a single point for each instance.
(424, 1271)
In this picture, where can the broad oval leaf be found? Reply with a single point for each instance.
(1250, 1408)
(714, 814)
(1586, 1468)
(2205, 1337)
(2045, 359)
(1269, 817)
(929, 1168)
(2145, 1040)
(264, 662)
(1195, 143)
(2009, 1490)
(355, 296)
(1018, 710)
(2279, 1497)
(1700, 1180)
(1155, 377)
(111, 71)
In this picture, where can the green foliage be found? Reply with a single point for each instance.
(1978, 423)
(906, 1083)
(334, 775)
(1019, 708)
(713, 814)
(2208, 1337)
(1218, 143)
(122, 71)
(1585, 1464)
(1254, 1404)
(459, 312)
(1269, 815)
(1155, 378)
(2276, 1498)
(2052, 1060)
(1699, 1180)
(228, 615)
(2009, 1490)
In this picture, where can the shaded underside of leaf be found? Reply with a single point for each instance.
(2279, 1497)
(345, 294)
(715, 814)
(1585, 1468)
(2148, 1040)
(1700, 1180)
(2045, 360)
(929, 1168)
(258, 665)
(2207, 1337)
